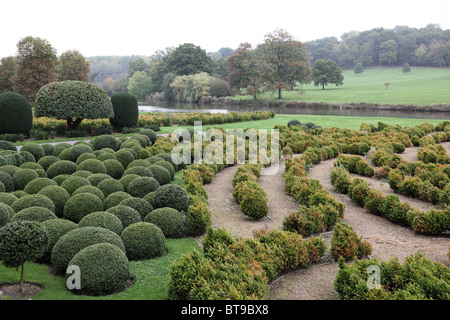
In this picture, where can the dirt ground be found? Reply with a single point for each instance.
(316, 283)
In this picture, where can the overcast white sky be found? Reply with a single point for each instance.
(137, 27)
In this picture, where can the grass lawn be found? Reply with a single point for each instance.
(421, 86)
(151, 277)
(324, 121)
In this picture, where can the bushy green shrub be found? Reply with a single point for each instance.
(126, 179)
(7, 181)
(140, 171)
(358, 191)
(198, 219)
(7, 145)
(74, 152)
(33, 200)
(96, 178)
(139, 163)
(375, 202)
(114, 168)
(47, 161)
(55, 228)
(90, 189)
(7, 198)
(143, 240)
(347, 244)
(35, 149)
(293, 122)
(73, 183)
(254, 205)
(172, 196)
(104, 269)
(140, 205)
(168, 166)
(114, 199)
(150, 133)
(102, 219)
(126, 215)
(105, 141)
(169, 220)
(38, 184)
(340, 179)
(5, 215)
(92, 165)
(22, 177)
(109, 186)
(61, 167)
(216, 235)
(17, 115)
(85, 156)
(126, 111)
(125, 157)
(142, 186)
(80, 205)
(73, 241)
(37, 214)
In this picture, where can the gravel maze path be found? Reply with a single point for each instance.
(316, 283)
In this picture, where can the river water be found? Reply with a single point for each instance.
(177, 107)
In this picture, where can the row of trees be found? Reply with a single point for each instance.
(36, 64)
(428, 47)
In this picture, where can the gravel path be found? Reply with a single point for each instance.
(316, 283)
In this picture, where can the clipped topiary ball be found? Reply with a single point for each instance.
(126, 179)
(140, 205)
(105, 141)
(73, 183)
(109, 186)
(96, 178)
(75, 240)
(143, 240)
(114, 199)
(61, 178)
(7, 198)
(140, 171)
(6, 145)
(126, 111)
(114, 168)
(92, 165)
(38, 214)
(22, 177)
(149, 133)
(61, 167)
(90, 189)
(55, 228)
(33, 200)
(85, 156)
(5, 215)
(168, 166)
(38, 184)
(104, 269)
(172, 196)
(106, 156)
(7, 181)
(17, 115)
(126, 215)
(47, 161)
(169, 220)
(74, 152)
(80, 205)
(48, 149)
(102, 219)
(160, 173)
(82, 173)
(35, 149)
(139, 163)
(125, 157)
(142, 186)
(58, 195)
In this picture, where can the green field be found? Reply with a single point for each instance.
(421, 86)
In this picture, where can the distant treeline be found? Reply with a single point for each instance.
(427, 47)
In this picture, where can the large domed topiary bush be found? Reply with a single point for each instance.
(7, 181)
(5, 215)
(105, 141)
(90, 189)
(143, 240)
(16, 113)
(33, 200)
(22, 177)
(169, 220)
(35, 149)
(140, 205)
(104, 269)
(109, 186)
(126, 110)
(96, 178)
(171, 195)
(126, 215)
(58, 195)
(92, 165)
(142, 186)
(80, 205)
(55, 228)
(37, 214)
(114, 168)
(160, 173)
(102, 219)
(73, 183)
(61, 167)
(36, 185)
(125, 157)
(73, 241)
(114, 199)
(47, 161)
(74, 152)
(139, 170)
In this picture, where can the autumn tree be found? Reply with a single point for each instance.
(8, 67)
(72, 65)
(243, 71)
(36, 60)
(326, 72)
(285, 61)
